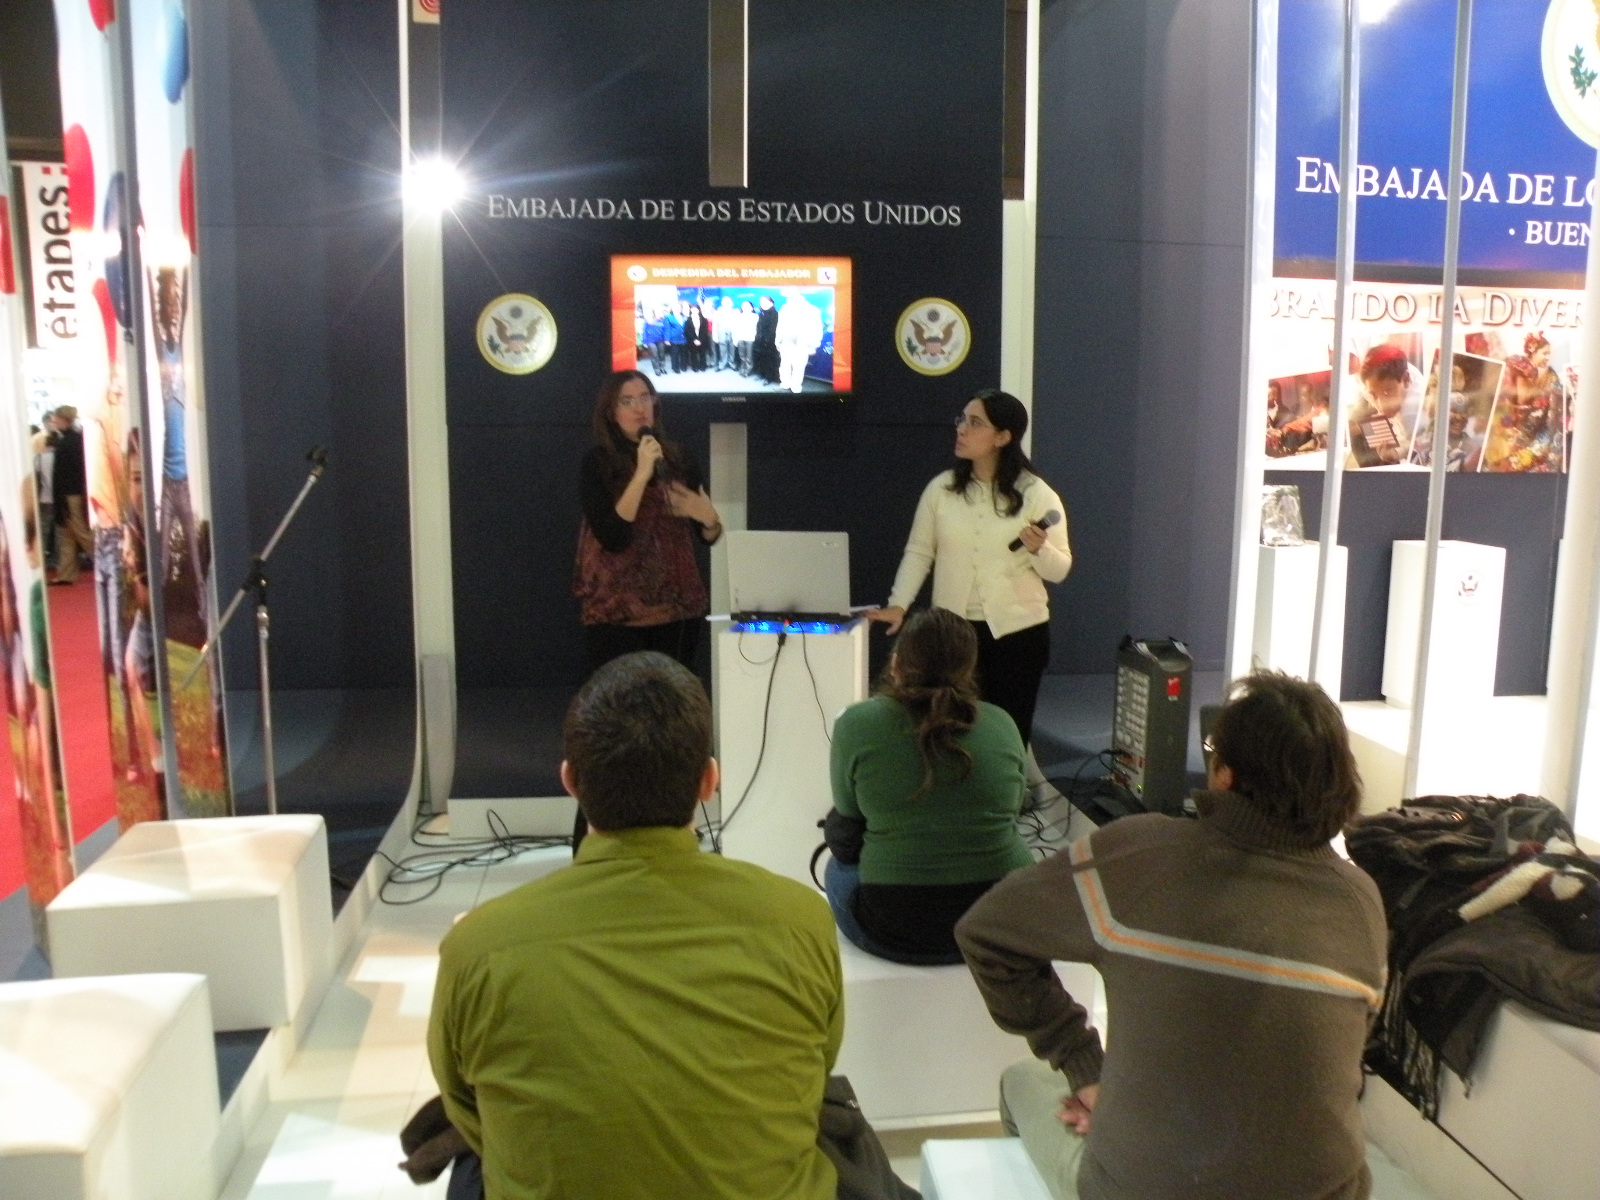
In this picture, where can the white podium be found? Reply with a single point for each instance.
(814, 676)
(1466, 623)
(1286, 606)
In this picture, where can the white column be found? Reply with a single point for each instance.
(433, 605)
(1570, 774)
(1019, 241)
(1259, 209)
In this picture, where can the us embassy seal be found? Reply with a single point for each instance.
(516, 334)
(933, 336)
(1570, 55)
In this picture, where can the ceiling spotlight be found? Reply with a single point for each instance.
(433, 184)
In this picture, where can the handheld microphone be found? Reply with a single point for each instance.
(661, 463)
(1050, 518)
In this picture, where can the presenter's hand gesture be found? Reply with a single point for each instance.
(695, 505)
(892, 618)
(1032, 538)
(649, 455)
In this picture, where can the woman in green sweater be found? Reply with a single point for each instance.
(937, 776)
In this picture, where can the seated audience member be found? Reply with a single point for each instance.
(938, 777)
(653, 1021)
(1243, 960)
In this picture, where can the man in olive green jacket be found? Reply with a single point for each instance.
(654, 1021)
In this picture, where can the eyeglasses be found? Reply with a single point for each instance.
(635, 403)
(966, 422)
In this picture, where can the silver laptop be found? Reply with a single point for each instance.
(773, 573)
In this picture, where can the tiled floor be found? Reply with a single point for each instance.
(331, 1129)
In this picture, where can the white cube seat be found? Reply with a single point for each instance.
(919, 1042)
(980, 1169)
(244, 901)
(108, 1089)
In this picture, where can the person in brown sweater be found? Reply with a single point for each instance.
(1243, 960)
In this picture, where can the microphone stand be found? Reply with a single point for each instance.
(256, 581)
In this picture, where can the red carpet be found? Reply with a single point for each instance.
(11, 876)
(81, 705)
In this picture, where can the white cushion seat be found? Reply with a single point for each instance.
(980, 1169)
(919, 1042)
(108, 1089)
(244, 901)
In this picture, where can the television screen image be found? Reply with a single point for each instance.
(733, 324)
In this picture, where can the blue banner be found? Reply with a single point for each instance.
(1533, 120)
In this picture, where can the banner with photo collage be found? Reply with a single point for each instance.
(35, 830)
(1533, 122)
(143, 446)
(179, 496)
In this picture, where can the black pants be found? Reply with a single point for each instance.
(1009, 670)
(602, 643)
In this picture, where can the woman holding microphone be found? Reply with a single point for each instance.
(644, 506)
(993, 533)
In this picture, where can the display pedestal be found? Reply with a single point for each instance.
(1286, 606)
(1466, 623)
(816, 675)
(1493, 747)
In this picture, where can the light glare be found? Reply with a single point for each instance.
(434, 184)
(1375, 12)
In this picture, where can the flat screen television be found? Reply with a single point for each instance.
(734, 325)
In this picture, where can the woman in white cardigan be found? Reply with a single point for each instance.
(966, 522)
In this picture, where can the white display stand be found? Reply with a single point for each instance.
(816, 676)
(1466, 623)
(244, 901)
(1286, 605)
(108, 1089)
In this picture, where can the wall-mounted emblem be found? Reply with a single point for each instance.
(933, 336)
(1570, 50)
(516, 334)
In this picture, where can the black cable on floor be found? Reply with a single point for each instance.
(761, 754)
(438, 859)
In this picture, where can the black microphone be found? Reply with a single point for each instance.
(658, 472)
(317, 456)
(1050, 518)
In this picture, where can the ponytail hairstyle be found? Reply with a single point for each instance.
(933, 677)
(1005, 412)
(617, 453)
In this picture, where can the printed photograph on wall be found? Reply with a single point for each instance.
(1384, 412)
(1474, 381)
(1527, 431)
(1297, 414)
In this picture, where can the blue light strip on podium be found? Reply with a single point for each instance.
(779, 625)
